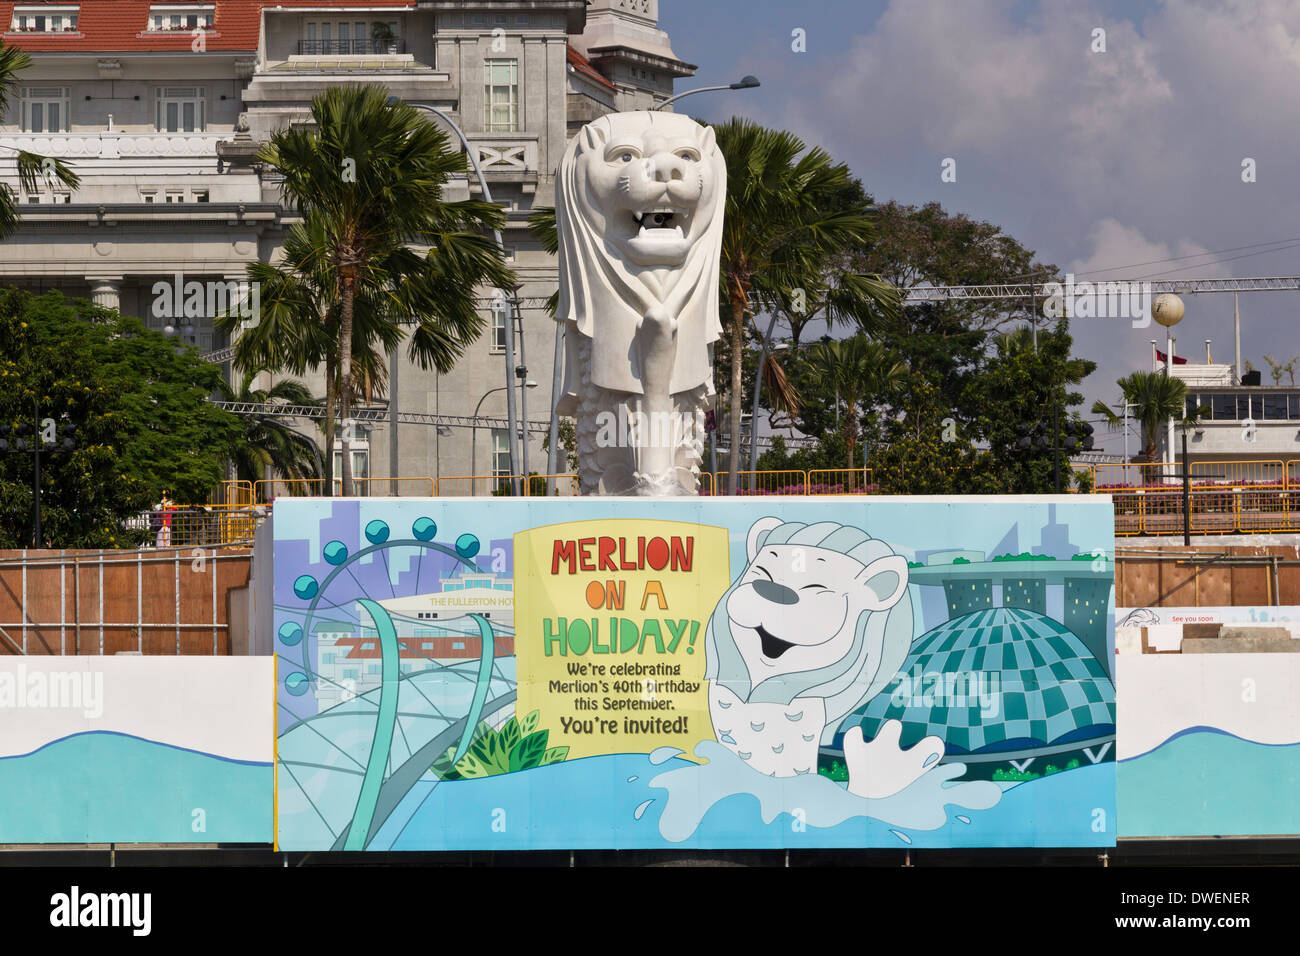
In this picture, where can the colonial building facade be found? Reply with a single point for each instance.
(160, 108)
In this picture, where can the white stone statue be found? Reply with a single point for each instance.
(639, 214)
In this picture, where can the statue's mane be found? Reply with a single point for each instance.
(597, 285)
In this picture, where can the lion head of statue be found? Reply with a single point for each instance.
(639, 206)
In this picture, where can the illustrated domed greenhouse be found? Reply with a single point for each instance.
(1013, 693)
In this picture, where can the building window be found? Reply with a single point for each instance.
(499, 317)
(500, 453)
(360, 448)
(45, 109)
(168, 19)
(501, 96)
(44, 20)
(1274, 408)
(180, 109)
(348, 37)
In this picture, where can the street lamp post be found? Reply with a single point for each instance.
(745, 83)
(45, 432)
(503, 296)
(473, 431)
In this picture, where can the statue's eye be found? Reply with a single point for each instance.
(690, 155)
(627, 157)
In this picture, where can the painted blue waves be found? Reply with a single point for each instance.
(607, 802)
(105, 787)
(1204, 781)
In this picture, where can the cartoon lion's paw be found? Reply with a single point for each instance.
(881, 768)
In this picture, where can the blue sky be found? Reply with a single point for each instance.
(1095, 160)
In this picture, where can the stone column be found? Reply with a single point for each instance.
(106, 291)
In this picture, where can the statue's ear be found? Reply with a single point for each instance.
(885, 581)
(593, 136)
(758, 532)
(708, 141)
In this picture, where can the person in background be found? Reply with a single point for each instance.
(164, 522)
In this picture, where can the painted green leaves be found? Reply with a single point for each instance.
(518, 745)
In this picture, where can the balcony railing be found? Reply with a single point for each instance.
(506, 152)
(114, 144)
(350, 47)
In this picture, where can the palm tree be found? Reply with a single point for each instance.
(268, 443)
(298, 328)
(856, 368)
(1156, 398)
(785, 220)
(368, 179)
(31, 167)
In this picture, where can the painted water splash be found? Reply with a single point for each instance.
(694, 790)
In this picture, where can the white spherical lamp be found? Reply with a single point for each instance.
(1167, 309)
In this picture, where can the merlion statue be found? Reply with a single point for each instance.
(638, 211)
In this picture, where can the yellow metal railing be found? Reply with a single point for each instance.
(563, 486)
(464, 486)
(840, 481)
(183, 526)
(763, 483)
(269, 489)
(1226, 497)
(420, 487)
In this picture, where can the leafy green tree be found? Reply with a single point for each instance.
(1024, 386)
(921, 454)
(861, 372)
(783, 221)
(139, 405)
(32, 167)
(920, 246)
(268, 443)
(368, 176)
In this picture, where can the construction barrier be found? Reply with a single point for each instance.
(466, 486)
(1226, 497)
(764, 483)
(841, 481)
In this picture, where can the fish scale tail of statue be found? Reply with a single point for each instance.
(638, 213)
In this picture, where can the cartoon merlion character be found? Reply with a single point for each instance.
(638, 215)
(819, 622)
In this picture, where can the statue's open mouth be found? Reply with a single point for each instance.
(773, 647)
(660, 221)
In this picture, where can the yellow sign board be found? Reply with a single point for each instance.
(609, 631)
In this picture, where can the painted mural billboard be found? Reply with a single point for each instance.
(751, 672)
(1209, 744)
(129, 749)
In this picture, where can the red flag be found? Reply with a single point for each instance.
(1178, 359)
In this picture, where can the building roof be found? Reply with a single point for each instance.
(582, 65)
(119, 25)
